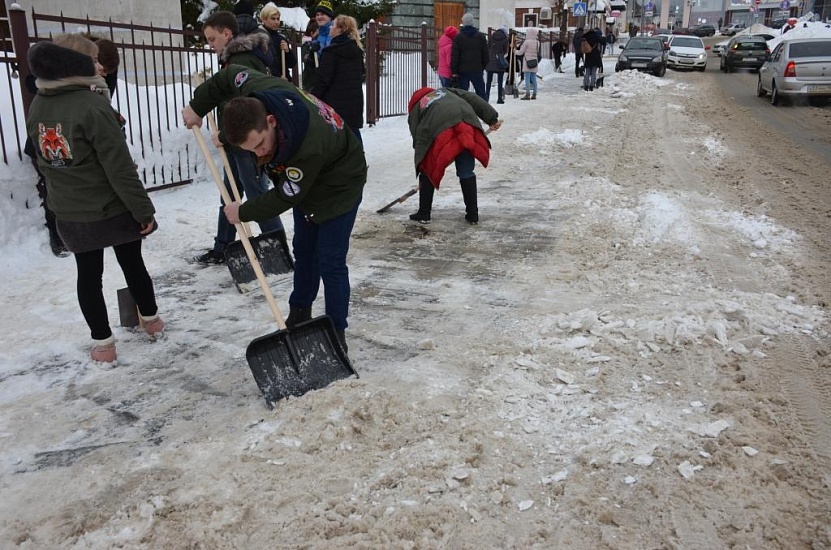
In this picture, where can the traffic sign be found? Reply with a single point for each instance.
(579, 9)
(648, 13)
(785, 5)
(649, 6)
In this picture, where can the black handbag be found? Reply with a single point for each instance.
(531, 63)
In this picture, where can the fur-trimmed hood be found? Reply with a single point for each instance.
(256, 43)
(51, 62)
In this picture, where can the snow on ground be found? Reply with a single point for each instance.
(560, 375)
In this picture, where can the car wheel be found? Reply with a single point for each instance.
(760, 92)
(662, 71)
(721, 66)
(617, 68)
(702, 69)
(774, 94)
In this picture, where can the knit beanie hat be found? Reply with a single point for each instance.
(451, 31)
(325, 6)
(467, 20)
(244, 7)
(417, 95)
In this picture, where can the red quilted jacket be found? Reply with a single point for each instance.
(448, 145)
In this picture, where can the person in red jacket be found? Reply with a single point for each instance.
(445, 127)
(445, 49)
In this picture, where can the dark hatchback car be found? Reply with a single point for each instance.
(744, 52)
(644, 54)
(703, 30)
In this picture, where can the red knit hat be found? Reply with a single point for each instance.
(451, 31)
(417, 95)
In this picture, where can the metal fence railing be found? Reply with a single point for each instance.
(155, 83)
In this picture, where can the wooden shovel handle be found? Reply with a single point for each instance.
(283, 55)
(246, 243)
(228, 172)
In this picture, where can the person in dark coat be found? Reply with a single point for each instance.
(340, 76)
(497, 62)
(318, 169)
(577, 41)
(594, 60)
(558, 52)
(469, 57)
(308, 56)
(279, 46)
(244, 10)
(445, 127)
(251, 50)
(94, 189)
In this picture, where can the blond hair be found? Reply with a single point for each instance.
(348, 26)
(78, 43)
(269, 10)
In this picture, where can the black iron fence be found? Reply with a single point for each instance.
(160, 66)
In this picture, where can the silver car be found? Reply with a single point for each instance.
(797, 68)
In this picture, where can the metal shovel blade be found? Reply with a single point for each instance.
(271, 249)
(297, 360)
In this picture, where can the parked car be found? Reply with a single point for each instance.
(778, 23)
(703, 30)
(664, 39)
(744, 52)
(800, 67)
(732, 29)
(687, 52)
(644, 54)
(718, 47)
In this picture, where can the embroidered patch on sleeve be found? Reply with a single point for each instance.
(240, 79)
(325, 111)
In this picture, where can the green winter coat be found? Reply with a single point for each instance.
(82, 153)
(321, 169)
(456, 106)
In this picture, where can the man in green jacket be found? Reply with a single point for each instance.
(318, 169)
(252, 50)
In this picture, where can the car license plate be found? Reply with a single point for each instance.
(638, 65)
(686, 61)
(819, 89)
(750, 59)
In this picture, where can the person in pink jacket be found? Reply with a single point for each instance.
(445, 48)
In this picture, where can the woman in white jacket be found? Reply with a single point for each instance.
(530, 50)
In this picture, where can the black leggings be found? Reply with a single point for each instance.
(91, 295)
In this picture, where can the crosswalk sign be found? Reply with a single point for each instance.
(579, 9)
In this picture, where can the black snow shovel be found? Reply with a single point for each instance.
(272, 248)
(289, 361)
(409, 193)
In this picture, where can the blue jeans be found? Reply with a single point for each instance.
(445, 81)
(320, 253)
(531, 83)
(476, 78)
(590, 77)
(251, 182)
(465, 163)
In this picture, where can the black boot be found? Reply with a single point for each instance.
(55, 241)
(471, 205)
(425, 200)
(298, 315)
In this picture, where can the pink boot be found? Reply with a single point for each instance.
(153, 325)
(103, 351)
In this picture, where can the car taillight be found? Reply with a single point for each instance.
(790, 69)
